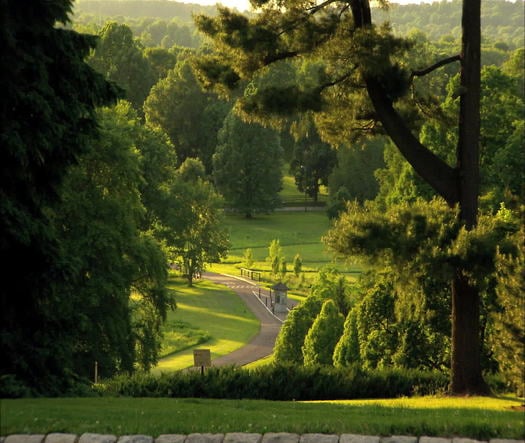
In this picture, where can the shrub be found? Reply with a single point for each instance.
(280, 382)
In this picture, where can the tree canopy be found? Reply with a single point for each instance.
(47, 119)
(247, 166)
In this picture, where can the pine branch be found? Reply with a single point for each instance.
(338, 80)
(320, 6)
(439, 64)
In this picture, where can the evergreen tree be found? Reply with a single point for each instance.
(508, 340)
(324, 334)
(47, 117)
(346, 351)
(291, 336)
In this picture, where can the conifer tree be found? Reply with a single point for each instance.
(322, 337)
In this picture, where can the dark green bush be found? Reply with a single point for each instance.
(280, 382)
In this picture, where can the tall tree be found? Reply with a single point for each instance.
(47, 116)
(98, 223)
(312, 164)
(247, 166)
(197, 235)
(357, 53)
(120, 59)
(291, 336)
(190, 117)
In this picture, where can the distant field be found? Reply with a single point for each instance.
(299, 232)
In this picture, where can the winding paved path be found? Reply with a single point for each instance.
(262, 344)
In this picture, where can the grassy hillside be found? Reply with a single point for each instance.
(206, 314)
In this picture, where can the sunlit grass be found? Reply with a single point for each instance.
(436, 402)
(479, 418)
(214, 311)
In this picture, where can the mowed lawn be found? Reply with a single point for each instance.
(298, 232)
(472, 417)
(215, 317)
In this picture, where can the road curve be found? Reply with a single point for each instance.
(262, 344)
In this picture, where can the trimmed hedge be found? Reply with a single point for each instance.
(280, 382)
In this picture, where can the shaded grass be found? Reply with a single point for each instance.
(207, 311)
(477, 417)
(180, 335)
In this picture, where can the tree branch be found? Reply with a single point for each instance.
(435, 66)
(335, 82)
(277, 57)
(320, 6)
(436, 172)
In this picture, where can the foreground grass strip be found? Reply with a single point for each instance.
(478, 418)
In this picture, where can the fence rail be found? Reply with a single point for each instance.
(252, 275)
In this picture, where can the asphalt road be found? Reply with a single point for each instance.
(262, 344)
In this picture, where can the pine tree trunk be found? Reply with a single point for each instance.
(458, 185)
(466, 374)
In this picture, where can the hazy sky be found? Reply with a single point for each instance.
(243, 5)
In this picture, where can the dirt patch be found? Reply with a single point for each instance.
(518, 408)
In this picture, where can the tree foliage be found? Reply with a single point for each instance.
(197, 234)
(508, 339)
(111, 259)
(323, 335)
(293, 332)
(312, 163)
(121, 60)
(361, 58)
(47, 117)
(247, 166)
(191, 118)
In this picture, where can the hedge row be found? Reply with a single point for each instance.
(280, 382)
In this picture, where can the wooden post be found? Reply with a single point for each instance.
(96, 372)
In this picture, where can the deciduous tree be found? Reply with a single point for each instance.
(121, 59)
(190, 117)
(247, 166)
(198, 236)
